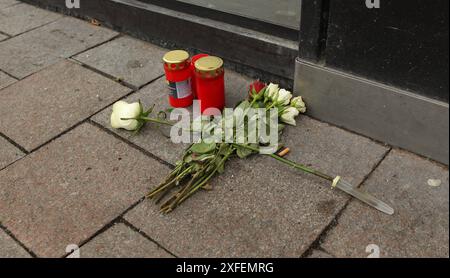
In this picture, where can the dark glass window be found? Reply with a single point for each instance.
(280, 12)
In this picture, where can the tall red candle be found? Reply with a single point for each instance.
(210, 85)
(193, 82)
(178, 75)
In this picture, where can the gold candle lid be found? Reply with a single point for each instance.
(176, 59)
(209, 66)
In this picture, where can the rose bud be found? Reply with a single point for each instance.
(272, 90)
(124, 110)
(283, 97)
(256, 87)
(289, 115)
(298, 103)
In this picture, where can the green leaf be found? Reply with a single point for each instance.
(203, 147)
(188, 159)
(243, 152)
(149, 111)
(224, 148)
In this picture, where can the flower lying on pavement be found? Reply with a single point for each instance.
(123, 110)
(288, 116)
(256, 87)
(283, 97)
(272, 90)
(205, 159)
(131, 116)
(299, 104)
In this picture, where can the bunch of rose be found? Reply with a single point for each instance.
(204, 159)
(272, 96)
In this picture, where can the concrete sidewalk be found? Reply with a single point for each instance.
(67, 178)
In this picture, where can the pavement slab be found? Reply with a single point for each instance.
(32, 51)
(419, 192)
(120, 241)
(69, 189)
(131, 60)
(8, 153)
(8, 3)
(318, 254)
(11, 249)
(260, 207)
(5, 80)
(3, 37)
(155, 139)
(20, 18)
(47, 103)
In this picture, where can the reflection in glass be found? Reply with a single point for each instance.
(280, 12)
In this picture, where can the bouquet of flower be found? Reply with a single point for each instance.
(226, 137)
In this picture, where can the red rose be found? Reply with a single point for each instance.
(257, 86)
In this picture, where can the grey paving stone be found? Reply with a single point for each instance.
(5, 80)
(8, 3)
(3, 37)
(318, 254)
(11, 249)
(260, 207)
(21, 18)
(419, 227)
(122, 242)
(8, 153)
(65, 192)
(332, 150)
(32, 51)
(53, 100)
(134, 61)
(151, 138)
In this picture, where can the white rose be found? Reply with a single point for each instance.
(289, 115)
(284, 97)
(124, 110)
(272, 90)
(298, 103)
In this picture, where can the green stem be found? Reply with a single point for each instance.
(290, 163)
(280, 112)
(207, 178)
(174, 180)
(158, 121)
(272, 105)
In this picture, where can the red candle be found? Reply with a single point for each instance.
(210, 86)
(178, 76)
(193, 82)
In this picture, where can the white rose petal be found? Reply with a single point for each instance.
(298, 103)
(289, 115)
(122, 109)
(272, 90)
(284, 97)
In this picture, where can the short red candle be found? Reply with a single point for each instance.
(210, 84)
(178, 76)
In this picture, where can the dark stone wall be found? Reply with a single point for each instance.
(404, 43)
